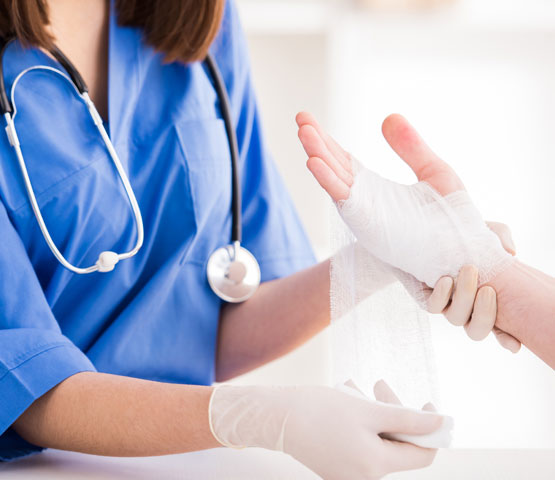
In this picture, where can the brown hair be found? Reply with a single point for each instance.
(182, 30)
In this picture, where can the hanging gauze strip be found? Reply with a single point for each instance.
(393, 243)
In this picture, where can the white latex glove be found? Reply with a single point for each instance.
(336, 435)
(440, 438)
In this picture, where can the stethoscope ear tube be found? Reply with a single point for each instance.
(70, 69)
(219, 85)
(73, 73)
(5, 104)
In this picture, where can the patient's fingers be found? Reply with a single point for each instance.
(441, 295)
(306, 118)
(466, 286)
(328, 180)
(484, 314)
(315, 146)
(427, 166)
(507, 341)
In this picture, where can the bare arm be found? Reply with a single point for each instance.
(281, 316)
(111, 415)
(526, 308)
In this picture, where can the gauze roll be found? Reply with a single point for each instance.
(378, 330)
(390, 240)
(415, 229)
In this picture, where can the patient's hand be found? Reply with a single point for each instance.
(461, 301)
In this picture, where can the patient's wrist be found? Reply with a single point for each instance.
(526, 306)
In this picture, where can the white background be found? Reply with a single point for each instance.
(477, 78)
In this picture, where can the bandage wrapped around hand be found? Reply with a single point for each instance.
(415, 229)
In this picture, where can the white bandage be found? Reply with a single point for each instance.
(391, 240)
(415, 229)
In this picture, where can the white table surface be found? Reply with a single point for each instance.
(264, 465)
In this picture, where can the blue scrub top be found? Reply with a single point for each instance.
(155, 316)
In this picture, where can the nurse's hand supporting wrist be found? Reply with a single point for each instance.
(335, 434)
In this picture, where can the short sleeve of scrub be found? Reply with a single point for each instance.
(34, 355)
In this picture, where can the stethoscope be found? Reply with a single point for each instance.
(232, 271)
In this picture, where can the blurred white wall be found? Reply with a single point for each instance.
(478, 80)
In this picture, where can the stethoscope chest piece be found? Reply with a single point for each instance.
(233, 273)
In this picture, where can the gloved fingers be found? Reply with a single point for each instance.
(441, 295)
(462, 304)
(399, 456)
(315, 146)
(383, 393)
(397, 419)
(507, 341)
(484, 314)
(504, 234)
(351, 384)
(428, 167)
(328, 180)
(351, 388)
(306, 118)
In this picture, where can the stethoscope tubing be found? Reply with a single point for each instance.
(221, 91)
(97, 120)
(229, 286)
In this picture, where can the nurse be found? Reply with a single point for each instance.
(121, 363)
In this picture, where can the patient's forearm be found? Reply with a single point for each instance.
(119, 416)
(526, 308)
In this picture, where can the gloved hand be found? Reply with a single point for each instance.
(336, 435)
(464, 304)
(460, 299)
